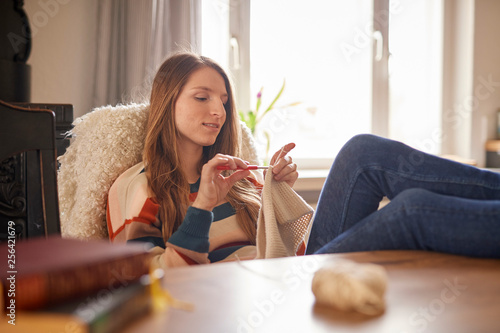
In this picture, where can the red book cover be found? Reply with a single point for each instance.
(39, 272)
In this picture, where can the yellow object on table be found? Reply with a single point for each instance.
(161, 298)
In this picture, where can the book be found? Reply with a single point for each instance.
(107, 312)
(41, 272)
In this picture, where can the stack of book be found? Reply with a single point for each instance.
(68, 285)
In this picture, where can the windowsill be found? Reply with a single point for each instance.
(310, 183)
(311, 179)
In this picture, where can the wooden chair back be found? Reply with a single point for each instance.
(28, 198)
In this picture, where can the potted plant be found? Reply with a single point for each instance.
(252, 118)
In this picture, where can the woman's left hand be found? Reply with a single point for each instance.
(283, 167)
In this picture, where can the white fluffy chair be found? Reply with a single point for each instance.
(106, 142)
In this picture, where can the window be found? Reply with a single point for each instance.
(415, 73)
(334, 57)
(215, 30)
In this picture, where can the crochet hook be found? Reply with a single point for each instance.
(249, 167)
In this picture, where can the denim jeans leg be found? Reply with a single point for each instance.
(418, 219)
(369, 167)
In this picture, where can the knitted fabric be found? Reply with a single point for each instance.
(284, 220)
(106, 142)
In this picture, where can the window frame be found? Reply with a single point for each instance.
(239, 65)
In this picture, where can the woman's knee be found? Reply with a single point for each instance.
(415, 197)
(362, 149)
(360, 141)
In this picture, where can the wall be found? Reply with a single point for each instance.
(471, 78)
(457, 76)
(63, 51)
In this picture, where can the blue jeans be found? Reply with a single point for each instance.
(435, 204)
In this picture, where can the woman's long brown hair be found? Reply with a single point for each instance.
(165, 177)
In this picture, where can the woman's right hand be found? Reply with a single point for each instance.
(213, 185)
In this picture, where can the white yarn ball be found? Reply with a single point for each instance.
(349, 286)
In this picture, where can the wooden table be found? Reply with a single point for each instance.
(427, 292)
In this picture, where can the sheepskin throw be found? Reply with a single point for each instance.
(284, 220)
(105, 143)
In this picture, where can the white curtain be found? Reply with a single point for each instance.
(133, 39)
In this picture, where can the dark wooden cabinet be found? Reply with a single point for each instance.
(64, 120)
(15, 191)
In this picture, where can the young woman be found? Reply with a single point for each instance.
(436, 204)
(178, 200)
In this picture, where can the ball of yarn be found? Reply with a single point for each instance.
(350, 286)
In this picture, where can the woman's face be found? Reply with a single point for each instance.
(199, 109)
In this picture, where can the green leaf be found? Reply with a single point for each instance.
(269, 108)
(291, 104)
(243, 117)
(252, 121)
(252, 118)
(268, 146)
(259, 100)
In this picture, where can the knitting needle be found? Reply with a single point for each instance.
(249, 167)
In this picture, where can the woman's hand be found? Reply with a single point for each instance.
(283, 167)
(213, 185)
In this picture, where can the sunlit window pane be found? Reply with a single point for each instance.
(215, 30)
(415, 44)
(322, 48)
